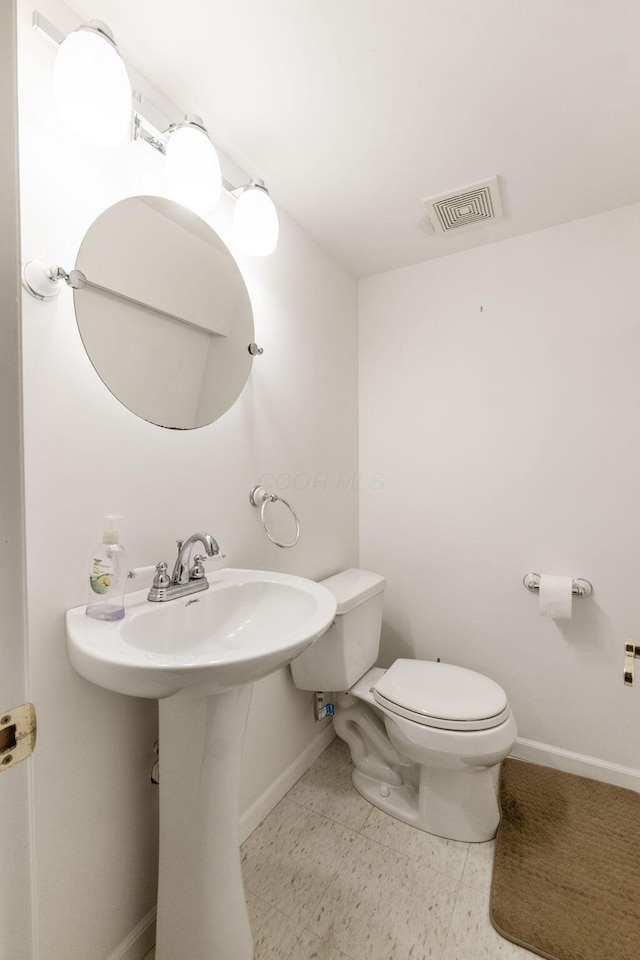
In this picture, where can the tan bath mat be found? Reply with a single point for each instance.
(566, 874)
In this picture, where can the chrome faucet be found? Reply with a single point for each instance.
(187, 577)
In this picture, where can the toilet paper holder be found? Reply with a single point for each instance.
(579, 587)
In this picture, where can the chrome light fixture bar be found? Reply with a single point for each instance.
(192, 167)
(46, 28)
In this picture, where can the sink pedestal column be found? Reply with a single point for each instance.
(202, 912)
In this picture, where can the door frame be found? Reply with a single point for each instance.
(16, 914)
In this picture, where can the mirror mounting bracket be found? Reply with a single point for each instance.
(43, 281)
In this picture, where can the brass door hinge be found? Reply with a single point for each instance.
(631, 652)
(17, 735)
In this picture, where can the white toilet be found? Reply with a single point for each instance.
(423, 735)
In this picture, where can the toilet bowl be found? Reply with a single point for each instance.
(424, 736)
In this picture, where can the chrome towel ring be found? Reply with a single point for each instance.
(258, 497)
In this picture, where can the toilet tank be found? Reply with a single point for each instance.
(350, 646)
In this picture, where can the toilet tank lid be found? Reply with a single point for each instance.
(352, 587)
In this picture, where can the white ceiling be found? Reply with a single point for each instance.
(354, 110)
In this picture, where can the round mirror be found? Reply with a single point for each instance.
(163, 312)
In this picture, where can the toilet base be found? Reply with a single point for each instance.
(443, 784)
(459, 804)
(454, 804)
(400, 802)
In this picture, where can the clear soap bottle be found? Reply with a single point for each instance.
(108, 572)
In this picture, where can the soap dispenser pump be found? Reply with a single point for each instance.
(108, 576)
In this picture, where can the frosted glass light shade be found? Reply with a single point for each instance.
(255, 222)
(192, 168)
(92, 89)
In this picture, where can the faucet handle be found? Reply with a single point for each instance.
(161, 578)
(197, 569)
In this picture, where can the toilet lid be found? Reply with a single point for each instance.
(441, 695)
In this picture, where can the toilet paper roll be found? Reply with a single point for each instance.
(555, 597)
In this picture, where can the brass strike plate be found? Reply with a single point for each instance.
(17, 735)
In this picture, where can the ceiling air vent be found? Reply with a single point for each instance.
(464, 207)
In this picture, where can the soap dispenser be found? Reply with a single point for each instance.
(108, 576)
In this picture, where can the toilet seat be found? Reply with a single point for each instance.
(441, 695)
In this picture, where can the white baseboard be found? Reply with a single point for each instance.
(256, 813)
(141, 939)
(577, 763)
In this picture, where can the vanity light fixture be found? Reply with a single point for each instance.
(191, 165)
(91, 86)
(94, 96)
(255, 220)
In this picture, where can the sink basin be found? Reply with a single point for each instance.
(246, 625)
(198, 656)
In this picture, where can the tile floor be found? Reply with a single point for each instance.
(330, 877)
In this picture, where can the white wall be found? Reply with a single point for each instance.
(500, 400)
(86, 455)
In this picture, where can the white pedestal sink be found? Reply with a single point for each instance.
(199, 655)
